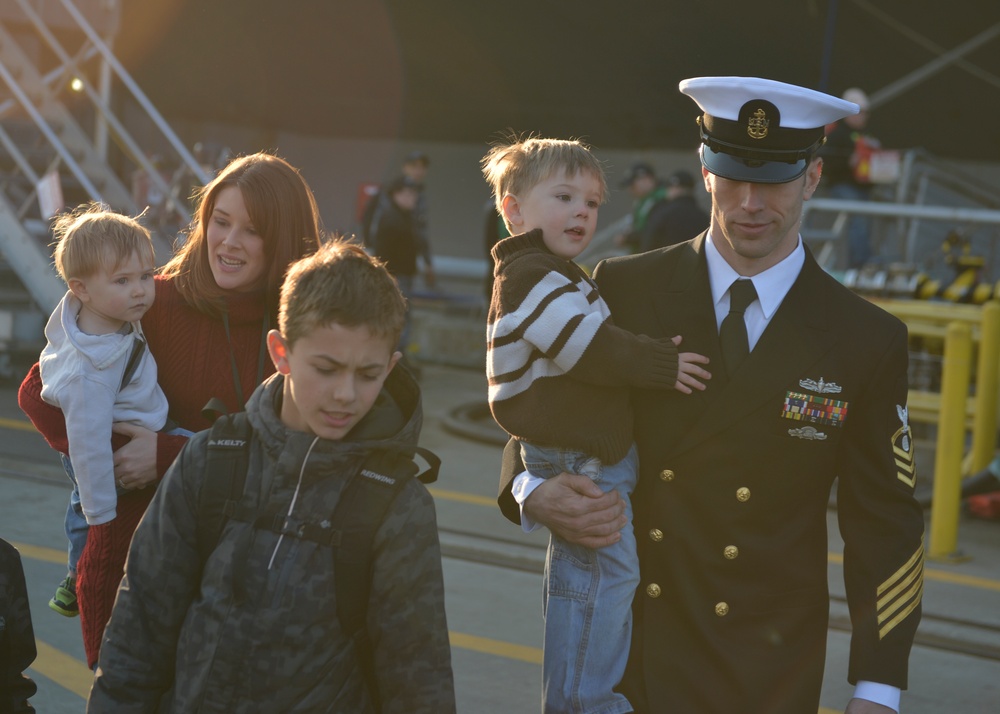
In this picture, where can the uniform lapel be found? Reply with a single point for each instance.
(684, 307)
(797, 336)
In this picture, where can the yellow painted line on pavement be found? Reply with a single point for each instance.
(972, 581)
(943, 576)
(508, 650)
(22, 424)
(73, 675)
(63, 669)
(52, 555)
(39, 552)
(462, 497)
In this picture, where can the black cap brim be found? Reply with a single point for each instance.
(737, 169)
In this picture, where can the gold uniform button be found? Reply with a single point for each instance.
(743, 494)
(721, 609)
(655, 535)
(653, 590)
(731, 552)
(667, 475)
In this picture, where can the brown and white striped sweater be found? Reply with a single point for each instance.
(559, 370)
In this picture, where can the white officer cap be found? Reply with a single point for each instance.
(760, 130)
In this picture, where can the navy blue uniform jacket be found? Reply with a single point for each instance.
(731, 507)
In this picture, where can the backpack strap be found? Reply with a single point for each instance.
(359, 513)
(225, 477)
(356, 518)
(132, 363)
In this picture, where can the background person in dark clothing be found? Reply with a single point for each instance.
(840, 171)
(396, 240)
(494, 229)
(675, 219)
(17, 639)
(414, 169)
(646, 189)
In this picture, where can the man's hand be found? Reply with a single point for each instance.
(574, 508)
(135, 462)
(863, 706)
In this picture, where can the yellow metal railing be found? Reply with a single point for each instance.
(953, 410)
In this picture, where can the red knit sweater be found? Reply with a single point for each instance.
(192, 360)
(192, 356)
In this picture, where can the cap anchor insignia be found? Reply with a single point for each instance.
(757, 125)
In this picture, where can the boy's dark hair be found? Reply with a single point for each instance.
(93, 237)
(340, 283)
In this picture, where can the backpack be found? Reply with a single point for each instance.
(350, 532)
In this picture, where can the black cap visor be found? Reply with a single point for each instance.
(736, 168)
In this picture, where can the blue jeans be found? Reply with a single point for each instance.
(75, 523)
(588, 596)
(859, 227)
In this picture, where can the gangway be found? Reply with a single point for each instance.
(911, 216)
(56, 121)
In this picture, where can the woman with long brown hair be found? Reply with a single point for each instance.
(215, 301)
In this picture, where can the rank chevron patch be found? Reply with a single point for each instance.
(902, 449)
(901, 593)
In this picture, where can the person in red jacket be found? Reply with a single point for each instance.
(216, 300)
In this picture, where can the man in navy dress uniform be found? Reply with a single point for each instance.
(808, 389)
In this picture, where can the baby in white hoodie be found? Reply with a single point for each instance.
(95, 366)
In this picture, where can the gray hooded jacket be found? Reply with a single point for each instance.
(256, 630)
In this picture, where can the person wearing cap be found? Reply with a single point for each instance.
(675, 219)
(844, 172)
(647, 192)
(809, 388)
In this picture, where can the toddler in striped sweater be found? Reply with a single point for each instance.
(559, 374)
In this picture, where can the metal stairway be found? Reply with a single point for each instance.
(56, 122)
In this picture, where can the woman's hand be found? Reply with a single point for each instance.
(135, 462)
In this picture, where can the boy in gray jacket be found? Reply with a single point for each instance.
(254, 627)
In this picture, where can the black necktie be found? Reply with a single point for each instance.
(733, 334)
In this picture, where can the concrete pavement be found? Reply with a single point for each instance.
(493, 575)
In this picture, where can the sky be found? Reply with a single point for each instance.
(468, 71)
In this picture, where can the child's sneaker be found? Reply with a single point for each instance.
(64, 601)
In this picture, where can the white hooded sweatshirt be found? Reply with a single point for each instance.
(81, 374)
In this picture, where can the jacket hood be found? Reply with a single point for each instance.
(394, 421)
(62, 330)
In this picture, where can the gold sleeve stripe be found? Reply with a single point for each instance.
(907, 582)
(917, 557)
(901, 593)
(904, 613)
(911, 591)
